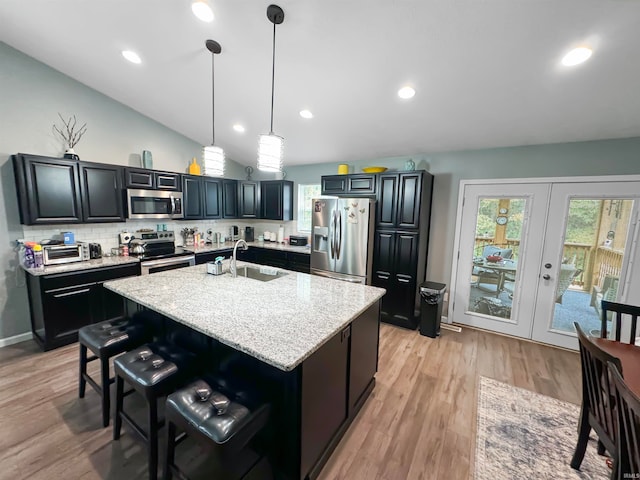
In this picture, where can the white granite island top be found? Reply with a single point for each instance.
(280, 322)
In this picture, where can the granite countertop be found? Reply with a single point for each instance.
(79, 266)
(284, 247)
(280, 322)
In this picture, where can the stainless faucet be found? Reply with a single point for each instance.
(241, 243)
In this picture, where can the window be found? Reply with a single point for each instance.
(306, 193)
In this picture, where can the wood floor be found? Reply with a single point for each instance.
(419, 422)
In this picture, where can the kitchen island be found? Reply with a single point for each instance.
(310, 343)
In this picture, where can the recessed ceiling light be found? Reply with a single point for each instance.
(406, 92)
(238, 128)
(306, 114)
(577, 56)
(132, 56)
(202, 10)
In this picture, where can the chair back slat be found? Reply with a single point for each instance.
(618, 310)
(597, 388)
(628, 407)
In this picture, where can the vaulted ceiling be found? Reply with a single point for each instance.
(486, 73)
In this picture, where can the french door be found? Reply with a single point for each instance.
(534, 257)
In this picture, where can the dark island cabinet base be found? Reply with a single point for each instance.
(63, 303)
(313, 405)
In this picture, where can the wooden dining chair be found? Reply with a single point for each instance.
(628, 426)
(617, 311)
(597, 410)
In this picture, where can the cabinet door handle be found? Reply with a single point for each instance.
(403, 280)
(75, 292)
(383, 277)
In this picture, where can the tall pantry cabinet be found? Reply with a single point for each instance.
(401, 243)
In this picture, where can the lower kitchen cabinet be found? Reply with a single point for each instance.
(211, 256)
(63, 303)
(298, 262)
(396, 269)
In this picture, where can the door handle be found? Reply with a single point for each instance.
(339, 235)
(546, 276)
(333, 233)
(173, 205)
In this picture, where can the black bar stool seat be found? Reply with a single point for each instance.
(153, 370)
(222, 424)
(105, 340)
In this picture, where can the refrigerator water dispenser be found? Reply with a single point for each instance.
(321, 239)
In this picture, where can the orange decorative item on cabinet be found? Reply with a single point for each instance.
(194, 168)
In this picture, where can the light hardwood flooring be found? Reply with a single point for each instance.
(419, 422)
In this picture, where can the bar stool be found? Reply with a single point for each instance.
(224, 426)
(105, 340)
(153, 370)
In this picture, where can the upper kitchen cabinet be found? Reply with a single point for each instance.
(403, 199)
(229, 199)
(48, 189)
(101, 190)
(276, 200)
(144, 178)
(208, 197)
(248, 199)
(343, 185)
(192, 193)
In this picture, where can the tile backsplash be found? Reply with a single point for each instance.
(106, 234)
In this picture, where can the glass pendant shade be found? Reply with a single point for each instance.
(270, 148)
(213, 163)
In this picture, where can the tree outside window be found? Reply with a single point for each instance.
(306, 193)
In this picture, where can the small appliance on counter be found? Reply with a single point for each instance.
(59, 254)
(234, 233)
(299, 240)
(248, 234)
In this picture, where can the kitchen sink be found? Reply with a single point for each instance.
(262, 274)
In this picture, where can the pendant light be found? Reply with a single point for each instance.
(213, 156)
(270, 146)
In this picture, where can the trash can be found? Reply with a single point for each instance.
(432, 294)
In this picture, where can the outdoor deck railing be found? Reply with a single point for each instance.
(595, 262)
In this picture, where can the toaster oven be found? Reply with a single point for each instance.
(58, 254)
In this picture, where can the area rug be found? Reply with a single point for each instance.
(525, 435)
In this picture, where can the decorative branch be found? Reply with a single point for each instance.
(70, 135)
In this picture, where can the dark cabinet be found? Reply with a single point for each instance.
(324, 393)
(48, 189)
(144, 178)
(248, 199)
(60, 304)
(276, 200)
(192, 193)
(363, 355)
(229, 199)
(211, 256)
(396, 260)
(101, 190)
(353, 184)
(208, 197)
(401, 199)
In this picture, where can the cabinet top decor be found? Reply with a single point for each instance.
(70, 133)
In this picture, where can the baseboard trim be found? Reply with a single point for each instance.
(23, 337)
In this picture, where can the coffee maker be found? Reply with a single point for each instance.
(234, 233)
(248, 234)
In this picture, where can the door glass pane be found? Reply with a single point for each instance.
(594, 246)
(496, 251)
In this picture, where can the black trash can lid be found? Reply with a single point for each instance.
(432, 287)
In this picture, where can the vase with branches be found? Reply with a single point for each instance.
(71, 135)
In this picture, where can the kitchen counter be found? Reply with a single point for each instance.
(280, 322)
(79, 266)
(283, 247)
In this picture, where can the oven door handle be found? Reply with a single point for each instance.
(166, 262)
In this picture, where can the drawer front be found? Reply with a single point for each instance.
(167, 181)
(135, 178)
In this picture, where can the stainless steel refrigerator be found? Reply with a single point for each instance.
(342, 238)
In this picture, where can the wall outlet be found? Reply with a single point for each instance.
(446, 297)
(19, 242)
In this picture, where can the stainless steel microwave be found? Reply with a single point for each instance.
(154, 204)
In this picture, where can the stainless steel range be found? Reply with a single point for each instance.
(157, 252)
